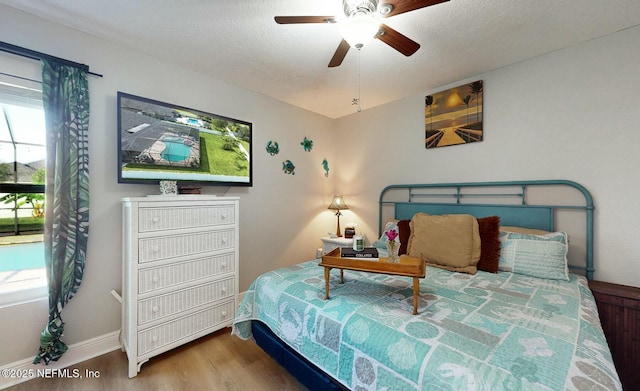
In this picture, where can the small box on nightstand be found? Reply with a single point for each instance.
(349, 232)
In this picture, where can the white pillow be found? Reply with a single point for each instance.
(382, 240)
(543, 256)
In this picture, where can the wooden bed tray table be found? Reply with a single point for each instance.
(408, 267)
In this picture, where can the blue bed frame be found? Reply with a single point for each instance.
(508, 200)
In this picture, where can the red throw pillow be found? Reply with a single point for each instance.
(489, 228)
(404, 232)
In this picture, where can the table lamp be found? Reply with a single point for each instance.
(338, 204)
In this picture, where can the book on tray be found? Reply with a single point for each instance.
(367, 252)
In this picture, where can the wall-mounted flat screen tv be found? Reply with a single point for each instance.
(161, 141)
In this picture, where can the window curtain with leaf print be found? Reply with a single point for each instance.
(66, 105)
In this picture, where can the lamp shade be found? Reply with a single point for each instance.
(338, 203)
(359, 29)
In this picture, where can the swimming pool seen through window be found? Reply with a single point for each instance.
(22, 198)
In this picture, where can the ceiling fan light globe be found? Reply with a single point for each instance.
(358, 30)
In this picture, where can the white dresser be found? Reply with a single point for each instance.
(180, 271)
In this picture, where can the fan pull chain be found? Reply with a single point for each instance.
(356, 100)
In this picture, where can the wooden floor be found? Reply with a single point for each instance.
(219, 361)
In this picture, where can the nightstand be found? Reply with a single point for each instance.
(329, 244)
(619, 310)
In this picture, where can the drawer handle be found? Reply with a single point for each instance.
(224, 240)
(154, 308)
(224, 314)
(154, 338)
(154, 279)
(224, 216)
(155, 220)
(224, 289)
(224, 264)
(155, 249)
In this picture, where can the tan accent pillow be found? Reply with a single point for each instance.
(449, 242)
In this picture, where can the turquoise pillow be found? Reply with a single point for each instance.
(542, 256)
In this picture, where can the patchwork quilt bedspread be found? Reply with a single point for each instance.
(483, 332)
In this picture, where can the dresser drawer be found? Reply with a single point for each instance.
(166, 247)
(182, 300)
(162, 219)
(160, 277)
(165, 334)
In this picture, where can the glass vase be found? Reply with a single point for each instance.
(392, 251)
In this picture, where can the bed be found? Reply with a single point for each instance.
(526, 320)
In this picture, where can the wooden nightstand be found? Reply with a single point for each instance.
(619, 309)
(329, 244)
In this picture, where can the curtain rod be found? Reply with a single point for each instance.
(32, 54)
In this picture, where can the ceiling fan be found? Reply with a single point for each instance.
(361, 23)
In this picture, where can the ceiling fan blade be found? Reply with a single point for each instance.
(340, 54)
(400, 42)
(402, 6)
(304, 19)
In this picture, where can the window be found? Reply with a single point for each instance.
(22, 198)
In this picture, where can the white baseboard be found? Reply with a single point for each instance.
(20, 371)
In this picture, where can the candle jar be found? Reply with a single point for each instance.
(358, 242)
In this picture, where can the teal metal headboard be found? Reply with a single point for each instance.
(509, 200)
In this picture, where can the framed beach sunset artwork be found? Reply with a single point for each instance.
(454, 116)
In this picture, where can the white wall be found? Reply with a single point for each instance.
(564, 115)
(571, 114)
(282, 216)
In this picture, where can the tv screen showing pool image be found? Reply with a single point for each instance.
(160, 141)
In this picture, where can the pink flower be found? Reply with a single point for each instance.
(392, 234)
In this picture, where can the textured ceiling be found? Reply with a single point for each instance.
(239, 42)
